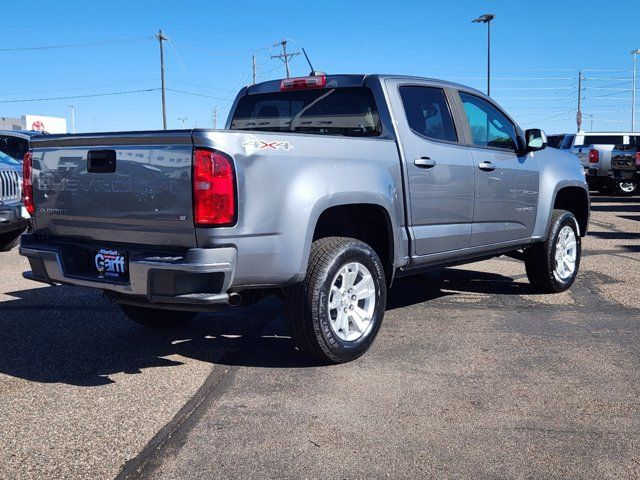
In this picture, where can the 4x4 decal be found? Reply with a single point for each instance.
(262, 145)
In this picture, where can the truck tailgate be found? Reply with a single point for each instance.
(115, 188)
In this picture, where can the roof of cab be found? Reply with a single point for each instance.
(354, 80)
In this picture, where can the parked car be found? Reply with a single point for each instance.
(326, 188)
(13, 221)
(16, 143)
(625, 162)
(594, 151)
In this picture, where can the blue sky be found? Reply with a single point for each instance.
(537, 52)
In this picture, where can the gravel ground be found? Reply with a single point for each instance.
(473, 376)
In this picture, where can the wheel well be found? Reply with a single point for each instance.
(576, 201)
(366, 222)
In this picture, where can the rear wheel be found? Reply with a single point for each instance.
(157, 318)
(336, 312)
(626, 187)
(552, 266)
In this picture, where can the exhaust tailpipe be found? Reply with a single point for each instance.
(235, 299)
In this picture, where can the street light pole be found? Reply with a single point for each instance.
(634, 53)
(73, 118)
(486, 18)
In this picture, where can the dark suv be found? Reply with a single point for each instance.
(12, 220)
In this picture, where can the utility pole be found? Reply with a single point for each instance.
(183, 120)
(215, 117)
(253, 63)
(486, 18)
(633, 92)
(161, 38)
(284, 56)
(73, 118)
(579, 113)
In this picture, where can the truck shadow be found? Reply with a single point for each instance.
(74, 336)
(603, 203)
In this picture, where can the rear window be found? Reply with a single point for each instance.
(602, 140)
(336, 111)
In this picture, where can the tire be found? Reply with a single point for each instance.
(544, 273)
(318, 324)
(626, 188)
(10, 240)
(157, 318)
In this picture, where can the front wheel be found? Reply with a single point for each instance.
(336, 312)
(157, 318)
(552, 266)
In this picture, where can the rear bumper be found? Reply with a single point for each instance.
(201, 277)
(626, 174)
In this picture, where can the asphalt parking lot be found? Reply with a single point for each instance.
(473, 375)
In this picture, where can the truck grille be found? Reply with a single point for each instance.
(9, 186)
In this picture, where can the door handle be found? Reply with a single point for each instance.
(424, 162)
(487, 166)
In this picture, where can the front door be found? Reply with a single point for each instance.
(506, 183)
(439, 169)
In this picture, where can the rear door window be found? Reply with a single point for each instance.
(336, 111)
(428, 112)
(489, 126)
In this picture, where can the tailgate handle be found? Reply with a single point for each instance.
(101, 161)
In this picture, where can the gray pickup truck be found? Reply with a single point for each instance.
(322, 188)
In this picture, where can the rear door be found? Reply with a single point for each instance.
(506, 184)
(438, 167)
(116, 188)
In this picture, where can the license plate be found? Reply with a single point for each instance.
(110, 264)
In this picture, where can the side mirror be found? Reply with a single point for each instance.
(535, 140)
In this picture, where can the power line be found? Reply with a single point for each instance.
(80, 96)
(75, 45)
(178, 58)
(201, 85)
(194, 93)
(107, 85)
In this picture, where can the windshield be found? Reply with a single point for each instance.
(6, 160)
(336, 111)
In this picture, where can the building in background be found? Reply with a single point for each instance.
(40, 123)
(7, 123)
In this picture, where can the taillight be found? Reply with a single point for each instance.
(214, 198)
(303, 83)
(27, 185)
(594, 156)
(638, 159)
